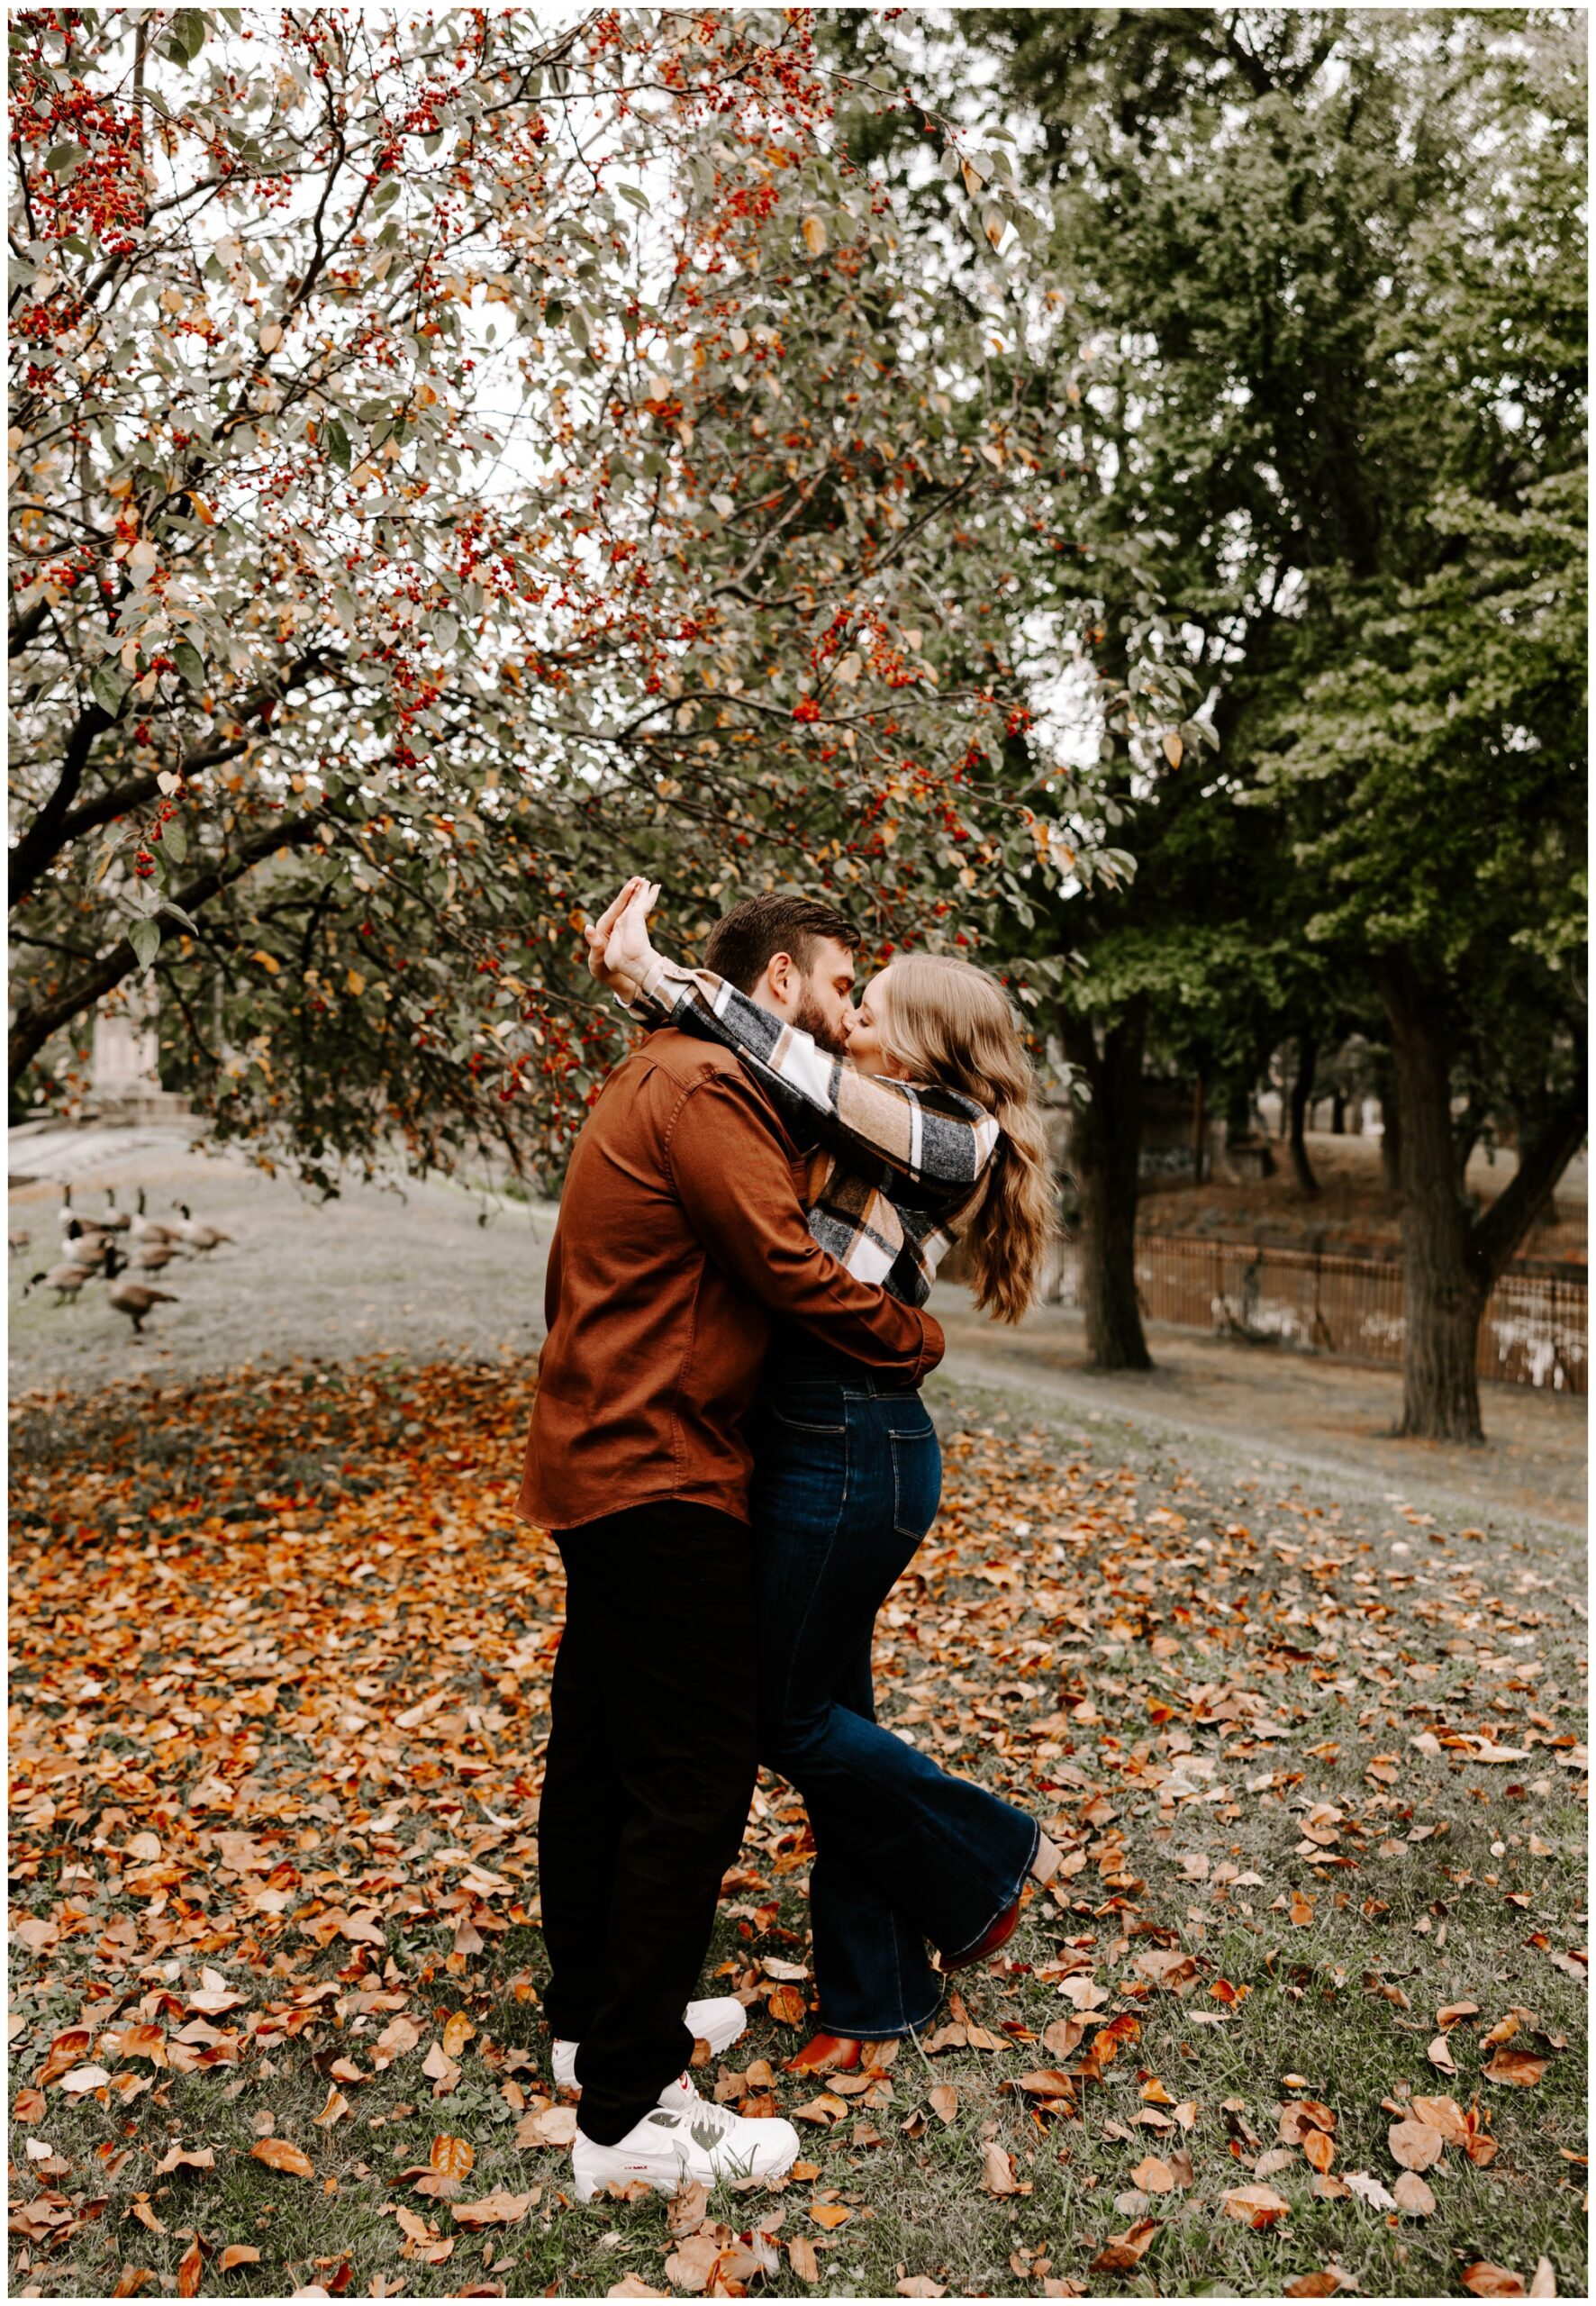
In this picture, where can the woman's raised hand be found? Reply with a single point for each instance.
(601, 962)
(628, 950)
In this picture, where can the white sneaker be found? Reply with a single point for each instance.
(683, 2138)
(718, 2022)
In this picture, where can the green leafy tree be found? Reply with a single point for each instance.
(1435, 788)
(1162, 971)
(1337, 263)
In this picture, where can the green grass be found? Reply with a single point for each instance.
(1430, 1919)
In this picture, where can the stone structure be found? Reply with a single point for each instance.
(126, 1080)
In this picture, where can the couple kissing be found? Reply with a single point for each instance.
(730, 1447)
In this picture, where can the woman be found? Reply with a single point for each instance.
(929, 1135)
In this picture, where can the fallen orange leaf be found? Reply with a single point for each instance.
(451, 2157)
(1121, 2252)
(1519, 2067)
(1487, 2281)
(1415, 2145)
(279, 2154)
(1259, 2205)
(499, 2207)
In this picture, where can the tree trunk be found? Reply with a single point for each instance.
(1198, 1130)
(1545, 1151)
(1451, 1260)
(1442, 1298)
(40, 841)
(1390, 1141)
(1338, 1113)
(59, 824)
(1301, 1092)
(1107, 1151)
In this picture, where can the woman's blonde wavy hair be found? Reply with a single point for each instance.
(949, 1022)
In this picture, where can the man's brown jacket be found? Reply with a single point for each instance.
(681, 1238)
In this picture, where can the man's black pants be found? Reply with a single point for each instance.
(651, 1768)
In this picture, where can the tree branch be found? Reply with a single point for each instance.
(23, 628)
(134, 791)
(1496, 1233)
(40, 843)
(57, 825)
(34, 1026)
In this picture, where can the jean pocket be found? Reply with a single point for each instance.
(808, 1406)
(800, 1486)
(917, 1481)
(785, 1422)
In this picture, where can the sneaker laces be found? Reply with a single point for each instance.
(697, 2109)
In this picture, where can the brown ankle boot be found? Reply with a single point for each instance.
(826, 2054)
(997, 1936)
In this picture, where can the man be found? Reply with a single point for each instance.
(681, 1236)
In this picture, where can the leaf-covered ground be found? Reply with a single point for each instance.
(1305, 2007)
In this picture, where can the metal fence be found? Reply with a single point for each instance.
(1534, 1331)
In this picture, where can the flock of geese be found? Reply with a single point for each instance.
(120, 1244)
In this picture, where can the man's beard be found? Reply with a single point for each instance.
(811, 1018)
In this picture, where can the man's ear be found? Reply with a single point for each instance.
(779, 983)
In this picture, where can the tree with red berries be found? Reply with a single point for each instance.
(453, 462)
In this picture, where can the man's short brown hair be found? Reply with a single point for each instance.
(744, 941)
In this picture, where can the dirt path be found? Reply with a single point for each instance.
(1332, 1418)
(417, 1276)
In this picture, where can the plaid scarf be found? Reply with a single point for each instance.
(902, 1168)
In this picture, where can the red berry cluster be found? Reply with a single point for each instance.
(103, 196)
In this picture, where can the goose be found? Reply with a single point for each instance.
(136, 1299)
(66, 1214)
(145, 1229)
(194, 1235)
(86, 1244)
(115, 1221)
(154, 1257)
(17, 1238)
(66, 1280)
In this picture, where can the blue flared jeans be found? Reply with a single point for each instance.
(847, 1481)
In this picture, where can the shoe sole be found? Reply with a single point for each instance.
(660, 2179)
(663, 2180)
